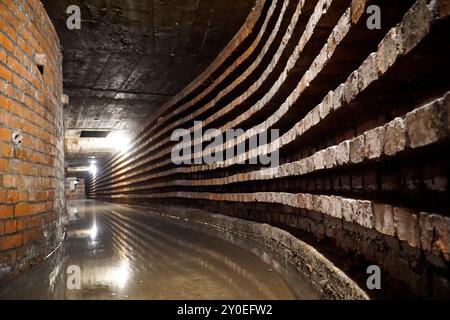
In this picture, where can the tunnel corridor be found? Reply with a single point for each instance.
(224, 149)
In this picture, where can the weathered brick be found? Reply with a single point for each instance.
(363, 214)
(384, 218)
(368, 72)
(435, 234)
(348, 209)
(326, 105)
(309, 202)
(325, 205)
(351, 87)
(416, 25)
(336, 207)
(395, 137)
(3, 165)
(343, 153)
(10, 242)
(10, 226)
(317, 202)
(406, 223)
(30, 236)
(5, 74)
(357, 9)
(6, 43)
(388, 50)
(426, 125)
(6, 212)
(319, 161)
(301, 201)
(330, 157)
(357, 149)
(25, 209)
(374, 143)
(337, 97)
(315, 116)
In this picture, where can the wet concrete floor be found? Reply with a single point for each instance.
(121, 252)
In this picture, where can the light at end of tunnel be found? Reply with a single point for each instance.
(93, 232)
(93, 169)
(119, 140)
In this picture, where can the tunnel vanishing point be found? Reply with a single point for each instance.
(248, 148)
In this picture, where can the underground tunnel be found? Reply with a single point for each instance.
(224, 149)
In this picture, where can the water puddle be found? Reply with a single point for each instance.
(115, 252)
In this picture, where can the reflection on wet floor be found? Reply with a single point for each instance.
(121, 252)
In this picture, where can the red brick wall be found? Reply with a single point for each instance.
(31, 172)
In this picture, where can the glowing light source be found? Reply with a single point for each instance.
(93, 169)
(93, 232)
(119, 140)
(121, 274)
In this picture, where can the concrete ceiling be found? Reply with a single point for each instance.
(130, 56)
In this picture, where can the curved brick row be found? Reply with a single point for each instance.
(343, 27)
(399, 135)
(173, 125)
(365, 213)
(317, 108)
(319, 11)
(332, 102)
(364, 135)
(241, 36)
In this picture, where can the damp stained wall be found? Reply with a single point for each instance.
(32, 202)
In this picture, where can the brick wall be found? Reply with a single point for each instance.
(31, 167)
(364, 133)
